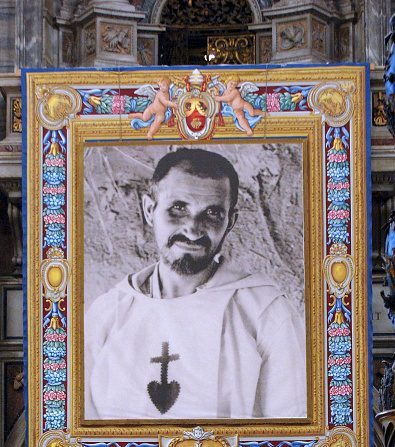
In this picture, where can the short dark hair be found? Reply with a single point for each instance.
(201, 163)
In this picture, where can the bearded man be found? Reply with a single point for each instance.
(191, 336)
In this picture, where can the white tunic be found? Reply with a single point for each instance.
(236, 347)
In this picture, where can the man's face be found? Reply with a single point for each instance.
(190, 217)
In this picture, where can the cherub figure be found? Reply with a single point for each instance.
(233, 98)
(161, 100)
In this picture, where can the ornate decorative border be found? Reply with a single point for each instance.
(322, 107)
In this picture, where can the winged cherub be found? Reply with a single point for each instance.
(233, 98)
(161, 100)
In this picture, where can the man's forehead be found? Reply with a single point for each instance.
(180, 183)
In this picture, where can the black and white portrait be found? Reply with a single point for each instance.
(194, 282)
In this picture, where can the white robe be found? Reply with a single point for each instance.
(238, 347)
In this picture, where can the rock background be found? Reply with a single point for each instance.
(268, 236)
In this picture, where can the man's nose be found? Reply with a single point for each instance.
(193, 229)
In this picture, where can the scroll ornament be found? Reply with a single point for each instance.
(56, 106)
(334, 101)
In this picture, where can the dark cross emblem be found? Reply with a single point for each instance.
(164, 394)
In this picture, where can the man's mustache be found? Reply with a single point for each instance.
(203, 241)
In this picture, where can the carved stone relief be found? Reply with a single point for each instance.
(319, 36)
(90, 40)
(342, 43)
(265, 49)
(146, 50)
(292, 35)
(68, 48)
(115, 38)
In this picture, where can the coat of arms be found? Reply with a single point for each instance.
(196, 106)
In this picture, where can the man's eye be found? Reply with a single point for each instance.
(178, 208)
(214, 213)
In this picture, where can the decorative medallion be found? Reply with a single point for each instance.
(339, 270)
(339, 437)
(334, 101)
(56, 105)
(55, 274)
(57, 438)
(199, 438)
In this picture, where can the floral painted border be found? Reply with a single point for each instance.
(338, 217)
(339, 308)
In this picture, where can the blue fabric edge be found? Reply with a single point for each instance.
(24, 251)
(192, 67)
(368, 112)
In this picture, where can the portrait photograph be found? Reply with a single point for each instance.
(193, 269)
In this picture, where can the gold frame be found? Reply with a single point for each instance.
(307, 128)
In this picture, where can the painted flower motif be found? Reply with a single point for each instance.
(55, 337)
(54, 175)
(118, 104)
(273, 102)
(52, 218)
(54, 189)
(337, 173)
(339, 361)
(333, 332)
(339, 345)
(54, 162)
(339, 373)
(55, 236)
(55, 418)
(337, 158)
(339, 214)
(343, 390)
(338, 233)
(338, 186)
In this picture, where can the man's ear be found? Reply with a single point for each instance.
(233, 216)
(148, 208)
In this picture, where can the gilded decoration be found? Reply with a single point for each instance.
(115, 38)
(16, 115)
(116, 126)
(291, 35)
(199, 438)
(58, 439)
(379, 118)
(206, 12)
(231, 49)
(340, 437)
(56, 105)
(334, 101)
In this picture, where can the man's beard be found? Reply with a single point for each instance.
(189, 264)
